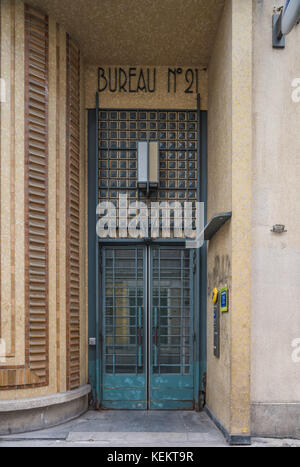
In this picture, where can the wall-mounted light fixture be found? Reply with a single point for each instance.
(284, 22)
(148, 166)
(278, 229)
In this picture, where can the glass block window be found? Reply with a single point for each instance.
(176, 133)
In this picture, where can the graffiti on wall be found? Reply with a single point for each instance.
(220, 274)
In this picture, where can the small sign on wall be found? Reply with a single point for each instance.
(224, 300)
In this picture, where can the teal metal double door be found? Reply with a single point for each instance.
(147, 327)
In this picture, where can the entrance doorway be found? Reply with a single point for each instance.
(147, 327)
(147, 297)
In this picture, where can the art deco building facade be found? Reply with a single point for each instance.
(130, 323)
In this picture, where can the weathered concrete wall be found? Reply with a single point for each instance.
(275, 380)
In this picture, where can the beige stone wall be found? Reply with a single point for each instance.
(276, 200)
(12, 225)
(229, 188)
(220, 200)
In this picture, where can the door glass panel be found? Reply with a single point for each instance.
(123, 314)
(171, 317)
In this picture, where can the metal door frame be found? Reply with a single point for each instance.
(94, 356)
(148, 250)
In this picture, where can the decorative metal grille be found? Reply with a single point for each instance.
(175, 130)
(124, 289)
(172, 317)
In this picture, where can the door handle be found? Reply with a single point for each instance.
(140, 337)
(155, 336)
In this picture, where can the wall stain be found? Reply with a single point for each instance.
(220, 274)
